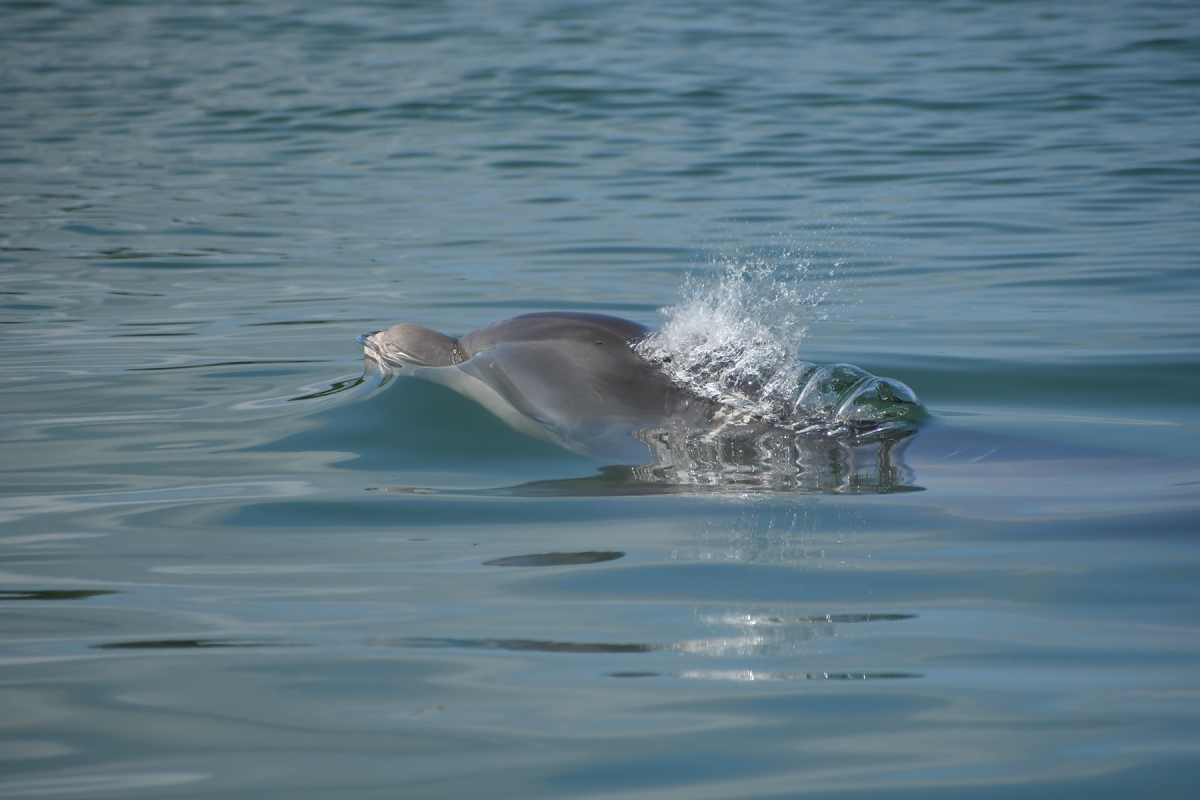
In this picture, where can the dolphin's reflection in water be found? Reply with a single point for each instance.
(741, 459)
(772, 459)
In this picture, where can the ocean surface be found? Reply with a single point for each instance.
(235, 565)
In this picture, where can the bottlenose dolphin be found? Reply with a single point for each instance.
(577, 380)
(582, 381)
(566, 377)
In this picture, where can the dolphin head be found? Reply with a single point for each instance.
(411, 345)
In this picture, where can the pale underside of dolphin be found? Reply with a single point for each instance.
(569, 378)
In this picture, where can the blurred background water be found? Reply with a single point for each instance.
(230, 570)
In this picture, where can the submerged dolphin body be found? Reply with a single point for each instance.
(569, 378)
(577, 380)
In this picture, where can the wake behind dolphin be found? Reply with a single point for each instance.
(607, 388)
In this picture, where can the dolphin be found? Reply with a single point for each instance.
(567, 377)
(578, 380)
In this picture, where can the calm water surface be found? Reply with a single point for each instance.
(230, 569)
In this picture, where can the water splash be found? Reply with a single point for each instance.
(735, 339)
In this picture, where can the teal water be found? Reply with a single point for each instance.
(230, 569)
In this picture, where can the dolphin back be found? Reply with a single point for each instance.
(558, 326)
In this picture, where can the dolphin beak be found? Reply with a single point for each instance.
(373, 348)
(371, 351)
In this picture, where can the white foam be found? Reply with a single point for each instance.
(735, 338)
(735, 333)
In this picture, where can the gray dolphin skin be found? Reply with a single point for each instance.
(565, 377)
